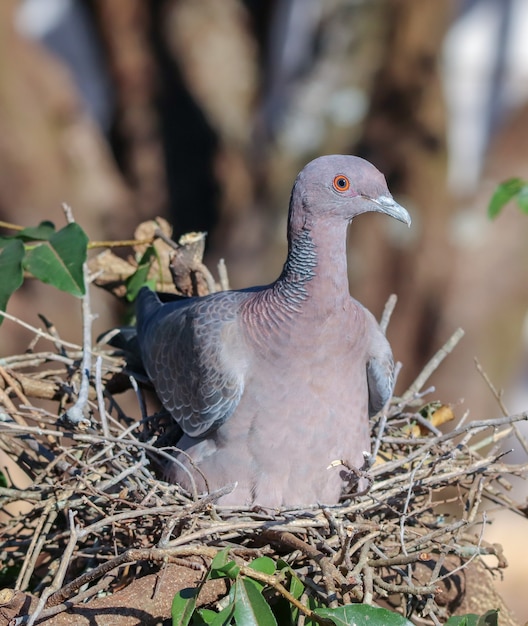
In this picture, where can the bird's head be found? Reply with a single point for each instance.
(345, 186)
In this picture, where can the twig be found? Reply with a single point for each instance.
(475, 427)
(159, 234)
(121, 243)
(8, 404)
(501, 404)
(53, 332)
(10, 226)
(366, 546)
(387, 312)
(404, 513)
(278, 586)
(91, 592)
(61, 573)
(38, 331)
(202, 268)
(76, 414)
(222, 275)
(35, 548)
(100, 398)
(68, 213)
(139, 396)
(382, 423)
(432, 365)
(429, 605)
(368, 585)
(472, 557)
(410, 590)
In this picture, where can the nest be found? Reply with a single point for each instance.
(97, 528)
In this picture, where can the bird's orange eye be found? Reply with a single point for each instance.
(341, 183)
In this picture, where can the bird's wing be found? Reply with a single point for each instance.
(193, 354)
(380, 367)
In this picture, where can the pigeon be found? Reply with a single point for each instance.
(273, 386)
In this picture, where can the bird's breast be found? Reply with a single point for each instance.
(283, 330)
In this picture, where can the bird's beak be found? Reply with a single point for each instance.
(388, 205)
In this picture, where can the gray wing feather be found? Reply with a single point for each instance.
(189, 350)
(380, 383)
(380, 367)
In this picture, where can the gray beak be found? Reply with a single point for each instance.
(387, 205)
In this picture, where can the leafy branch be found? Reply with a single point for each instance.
(56, 257)
(511, 189)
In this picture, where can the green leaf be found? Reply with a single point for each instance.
(296, 586)
(314, 604)
(204, 616)
(224, 618)
(231, 570)
(362, 615)
(263, 564)
(490, 618)
(220, 559)
(11, 257)
(43, 232)
(221, 566)
(183, 605)
(503, 194)
(463, 620)
(59, 262)
(184, 602)
(522, 199)
(251, 609)
(139, 277)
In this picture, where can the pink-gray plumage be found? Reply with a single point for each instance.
(272, 384)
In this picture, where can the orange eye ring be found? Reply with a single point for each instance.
(341, 183)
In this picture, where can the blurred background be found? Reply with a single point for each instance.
(203, 112)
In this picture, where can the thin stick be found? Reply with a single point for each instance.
(432, 365)
(38, 331)
(222, 274)
(498, 397)
(403, 515)
(76, 414)
(8, 404)
(53, 332)
(68, 213)
(10, 226)
(61, 572)
(100, 396)
(36, 545)
(387, 312)
(121, 243)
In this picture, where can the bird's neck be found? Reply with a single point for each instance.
(316, 262)
(313, 285)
